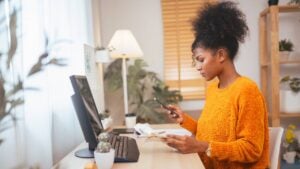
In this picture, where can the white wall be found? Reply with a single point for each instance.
(143, 17)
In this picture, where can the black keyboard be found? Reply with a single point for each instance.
(126, 149)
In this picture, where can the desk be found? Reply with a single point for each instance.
(153, 154)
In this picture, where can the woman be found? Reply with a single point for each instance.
(232, 131)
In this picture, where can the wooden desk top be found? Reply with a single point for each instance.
(153, 154)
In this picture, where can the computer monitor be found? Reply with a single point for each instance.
(87, 114)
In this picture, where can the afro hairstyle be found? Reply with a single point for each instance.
(220, 25)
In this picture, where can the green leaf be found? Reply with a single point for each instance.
(57, 62)
(14, 103)
(2, 99)
(13, 38)
(16, 88)
(285, 79)
(38, 66)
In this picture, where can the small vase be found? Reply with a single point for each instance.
(284, 55)
(130, 121)
(289, 101)
(105, 160)
(107, 123)
(289, 157)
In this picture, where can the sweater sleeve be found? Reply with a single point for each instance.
(250, 130)
(189, 123)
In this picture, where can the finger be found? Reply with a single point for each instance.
(164, 139)
(176, 137)
(172, 107)
(172, 145)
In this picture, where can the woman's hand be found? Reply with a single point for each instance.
(185, 144)
(175, 113)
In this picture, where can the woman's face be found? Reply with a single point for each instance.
(207, 62)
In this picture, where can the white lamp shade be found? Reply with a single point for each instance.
(124, 45)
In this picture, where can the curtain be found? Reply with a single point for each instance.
(49, 124)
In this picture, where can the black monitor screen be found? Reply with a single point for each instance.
(91, 109)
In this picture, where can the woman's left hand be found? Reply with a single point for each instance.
(186, 144)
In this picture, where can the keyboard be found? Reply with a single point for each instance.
(126, 149)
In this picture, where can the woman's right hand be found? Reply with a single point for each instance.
(175, 113)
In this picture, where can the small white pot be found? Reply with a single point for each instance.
(105, 160)
(289, 157)
(289, 101)
(107, 122)
(130, 121)
(284, 55)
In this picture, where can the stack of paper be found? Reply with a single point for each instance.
(146, 131)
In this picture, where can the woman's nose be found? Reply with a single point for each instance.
(198, 66)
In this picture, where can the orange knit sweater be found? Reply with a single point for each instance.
(234, 121)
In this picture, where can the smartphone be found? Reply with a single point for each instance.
(173, 113)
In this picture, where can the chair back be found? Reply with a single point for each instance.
(275, 134)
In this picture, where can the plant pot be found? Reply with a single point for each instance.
(105, 160)
(289, 157)
(284, 55)
(130, 120)
(272, 2)
(107, 122)
(289, 101)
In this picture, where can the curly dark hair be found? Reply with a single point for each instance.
(220, 25)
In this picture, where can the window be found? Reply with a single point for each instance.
(178, 37)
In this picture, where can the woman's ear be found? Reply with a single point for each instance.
(222, 55)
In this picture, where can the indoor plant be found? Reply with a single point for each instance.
(106, 119)
(290, 94)
(11, 91)
(143, 86)
(104, 154)
(285, 48)
(290, 144)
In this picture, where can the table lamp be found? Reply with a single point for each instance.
(124, 45)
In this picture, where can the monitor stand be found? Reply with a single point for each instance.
(84, 153)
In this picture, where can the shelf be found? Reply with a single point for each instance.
(282, 63)
(290, 62)
(283, 9)
(270, 60)
(290, 114)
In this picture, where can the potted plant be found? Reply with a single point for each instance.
(12, 82)
(104, 154)
(290, 95)
(290, 144)
(106, 119)
(130, 120)
(143, 86)
(285, 48)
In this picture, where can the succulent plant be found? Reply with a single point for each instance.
(103, 137)
(103, 147)
(293, 82)
(285, 45)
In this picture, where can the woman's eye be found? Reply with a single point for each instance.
(200, 60)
